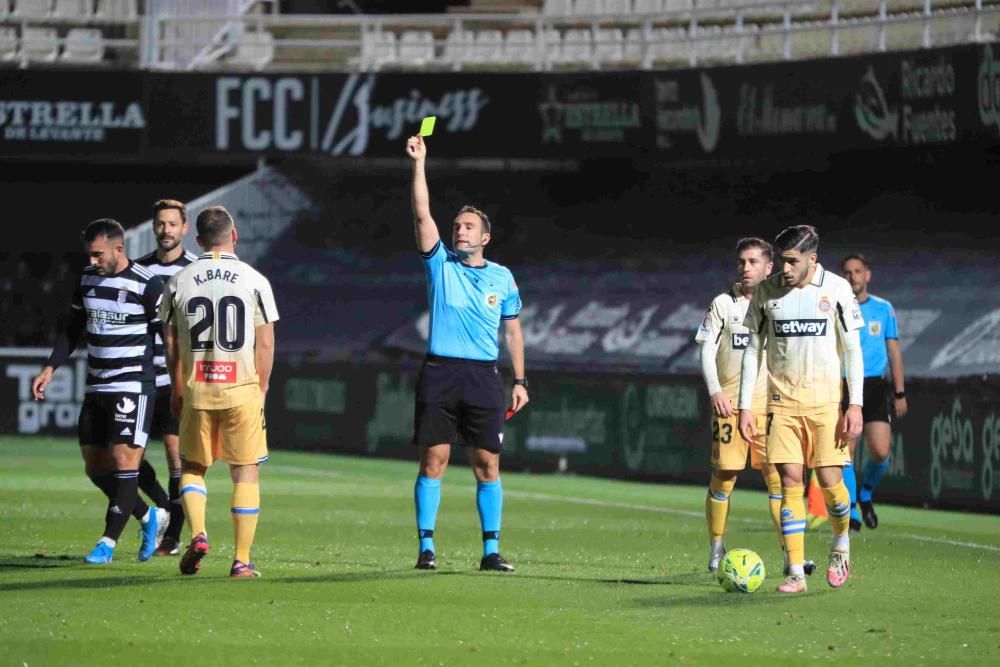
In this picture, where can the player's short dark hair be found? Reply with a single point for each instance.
(106, 227)
(855, 255)
(748, 242)
(803, 238)
(168, 204)
(482, 216)
(214, 225)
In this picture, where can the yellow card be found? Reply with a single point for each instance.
(427, 126)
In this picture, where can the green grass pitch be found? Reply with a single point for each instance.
(608, 573)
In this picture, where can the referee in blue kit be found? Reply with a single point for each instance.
(460, 393)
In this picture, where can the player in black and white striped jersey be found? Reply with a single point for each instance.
(169, 226)
(115, 310)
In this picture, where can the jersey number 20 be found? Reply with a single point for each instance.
(230, 336)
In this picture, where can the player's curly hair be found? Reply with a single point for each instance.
(803, 238)
(167, 204)
(755, 242)
(482, 216)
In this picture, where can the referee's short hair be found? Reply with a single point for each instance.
(858, 256)
(214, 225)
(482, 216)
(803, 238)
(755, 242)
(167, 204)
(106, 227)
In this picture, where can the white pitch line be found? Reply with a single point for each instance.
(942, 540)
(574, 500)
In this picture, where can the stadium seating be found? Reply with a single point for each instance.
(32, 9)
(8, 44)
(648, 6)
(416, 47)
(117, 11)
(83, 45)
(558, 7)
(39, 44)
(520, 47)
(73, 10)
(255, 49)
(488, 47)
(383, 49)
(458, 47)
(576, 46)
(609, 46)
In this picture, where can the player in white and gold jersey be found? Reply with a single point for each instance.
(218, 316)
(723, 338)
(804, 317)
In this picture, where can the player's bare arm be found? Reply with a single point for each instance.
(898, 382)
(171, 351)
(40, 382)
(424, 227)
(264, 355)
(514, 338)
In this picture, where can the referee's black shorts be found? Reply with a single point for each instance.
(459, 401)
(876, 398)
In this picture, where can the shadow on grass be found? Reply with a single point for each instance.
(719, 598)
(38, 561)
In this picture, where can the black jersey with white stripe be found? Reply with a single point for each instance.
(121, 323)
(164, 270)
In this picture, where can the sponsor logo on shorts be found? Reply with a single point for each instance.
(798, 328)
(127, 431)
(740, 341)
(215, 371)
(126, 405)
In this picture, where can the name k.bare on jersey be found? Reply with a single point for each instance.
(120, 328)
(165, 270)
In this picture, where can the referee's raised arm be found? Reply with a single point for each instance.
(424, 227)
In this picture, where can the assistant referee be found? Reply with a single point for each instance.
(460, 394)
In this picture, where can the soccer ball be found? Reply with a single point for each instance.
(741, 571)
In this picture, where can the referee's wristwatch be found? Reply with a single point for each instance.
(900, 394)
(521, 381)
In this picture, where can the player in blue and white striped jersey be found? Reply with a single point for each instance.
(170, 225)
(114, 309)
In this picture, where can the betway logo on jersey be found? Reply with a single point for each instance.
(740, 341)
(794, 328)
(215, 371)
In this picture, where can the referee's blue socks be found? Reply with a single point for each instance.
(851, 482)
(426, 498)
(489, 501)
(874, 472)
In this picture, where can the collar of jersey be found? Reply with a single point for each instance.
(818, 276)
(221, 255)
